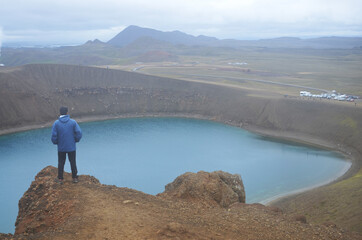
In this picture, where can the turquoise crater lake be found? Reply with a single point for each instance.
(147, 153)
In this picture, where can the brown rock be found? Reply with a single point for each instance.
(46, 203)
(300, 218)
(330, 224)
(276, 209)
(216, 188)
(176, 227)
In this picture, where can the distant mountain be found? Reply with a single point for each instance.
(335, 42)
(94, 42)
(132, 33)
(135, 33)
(91, 53)
(293, 42)
(145, 44)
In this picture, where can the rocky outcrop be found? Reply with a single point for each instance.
(90, 210)
(216, 188)
(44, 205)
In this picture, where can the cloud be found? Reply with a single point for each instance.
(1, 36)
(82, 20)
(32, 37)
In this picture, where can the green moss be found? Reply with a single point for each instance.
(356, 179)
(349, 122)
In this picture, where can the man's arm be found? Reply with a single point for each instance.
(54, 134)
(77, 132)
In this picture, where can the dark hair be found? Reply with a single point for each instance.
(63, 110)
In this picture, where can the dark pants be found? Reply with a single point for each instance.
(61, 162)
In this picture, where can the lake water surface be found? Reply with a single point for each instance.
(147, 153)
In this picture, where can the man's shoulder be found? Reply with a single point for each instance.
(72, 121)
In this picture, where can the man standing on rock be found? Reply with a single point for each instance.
(65, 133)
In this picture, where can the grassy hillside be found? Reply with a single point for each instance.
(326, 69)
(339, 203)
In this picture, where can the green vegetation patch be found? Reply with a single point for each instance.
(349, 122)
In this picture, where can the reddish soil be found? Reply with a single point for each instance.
(90, 210)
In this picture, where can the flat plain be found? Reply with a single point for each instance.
(286, 71)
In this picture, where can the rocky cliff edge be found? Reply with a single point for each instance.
(195, 206)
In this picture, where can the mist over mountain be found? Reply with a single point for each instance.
(134, 43)
(134, 33)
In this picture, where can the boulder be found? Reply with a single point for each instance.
(300, 218)
(215, 188)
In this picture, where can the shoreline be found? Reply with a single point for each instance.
(270, 201)
(349, 155)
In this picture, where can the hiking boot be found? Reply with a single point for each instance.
(75, 180)
(58, 180)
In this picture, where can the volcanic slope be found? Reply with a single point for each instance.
(90, 210)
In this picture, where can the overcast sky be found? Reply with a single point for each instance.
(76, 21)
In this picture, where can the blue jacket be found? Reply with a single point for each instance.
(65, 133)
